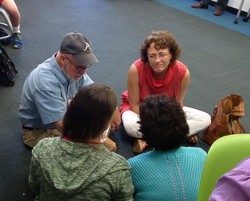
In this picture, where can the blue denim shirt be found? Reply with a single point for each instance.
(45, 95)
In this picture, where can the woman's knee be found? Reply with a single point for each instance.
(130, 124)
(132, 129)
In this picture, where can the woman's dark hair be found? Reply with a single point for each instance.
(162, 40)
(163, 122)
(89, 112)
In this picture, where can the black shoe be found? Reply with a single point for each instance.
(218, 12)
(245, 19)
(199, 5)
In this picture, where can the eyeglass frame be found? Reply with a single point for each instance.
(160, 56)
(78, 67)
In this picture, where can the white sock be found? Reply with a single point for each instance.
(16, 29)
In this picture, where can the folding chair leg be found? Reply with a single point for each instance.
(239, 11)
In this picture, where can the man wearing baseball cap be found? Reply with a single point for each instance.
(49, 88)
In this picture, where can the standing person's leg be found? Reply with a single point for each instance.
(202, 4)
(15, 17)
(220, 6)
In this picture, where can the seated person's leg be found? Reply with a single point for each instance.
(32, 137)
(129, 120)
(197, 121)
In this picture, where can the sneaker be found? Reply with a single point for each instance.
(16, 41)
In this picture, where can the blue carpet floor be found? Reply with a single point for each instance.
(226, 20)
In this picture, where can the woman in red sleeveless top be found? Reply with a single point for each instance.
(158, 72)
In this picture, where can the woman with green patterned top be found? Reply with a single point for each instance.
(77, 166)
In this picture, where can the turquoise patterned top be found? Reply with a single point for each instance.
(168, 176)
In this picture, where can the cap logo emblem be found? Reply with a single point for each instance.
(86, 47)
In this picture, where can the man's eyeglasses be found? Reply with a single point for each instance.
(78, 67)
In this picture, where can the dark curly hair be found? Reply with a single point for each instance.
(162, 40)
(163, 122)
(89, 112)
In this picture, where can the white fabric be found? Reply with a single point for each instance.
(16, 29)
(129, 120)
(197, 121)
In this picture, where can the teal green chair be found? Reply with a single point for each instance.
(224, 154)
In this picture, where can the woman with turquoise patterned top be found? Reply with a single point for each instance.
(171, 171)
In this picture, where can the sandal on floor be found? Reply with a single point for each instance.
(193, 139)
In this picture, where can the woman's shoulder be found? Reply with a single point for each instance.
(180, 65)
(116, 160)
(193, 151)
(143, 157)
(47, 142)
(44, 146)
(139, 64)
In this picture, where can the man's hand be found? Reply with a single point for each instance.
(59, 125)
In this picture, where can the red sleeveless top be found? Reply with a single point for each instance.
(170, 85)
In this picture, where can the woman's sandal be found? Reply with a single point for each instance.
(193, 139)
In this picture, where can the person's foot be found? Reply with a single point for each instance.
(245, 19)
(193, 139)
(17, 41)
(218, 12)
(138, 146)
(199, 5)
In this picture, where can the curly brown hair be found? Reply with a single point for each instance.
(163, 122)
(162, 40)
